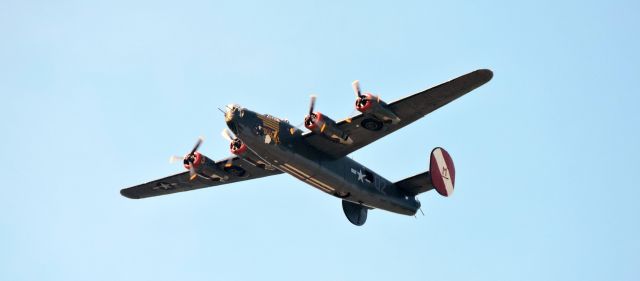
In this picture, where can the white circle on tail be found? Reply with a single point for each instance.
(443, 173)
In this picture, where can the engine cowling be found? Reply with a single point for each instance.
(365, 102)
(325, 126)
(196, 160)
(373, 105)
(369, 104)
(204, 166)
(237, 147)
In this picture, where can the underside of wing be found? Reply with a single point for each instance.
(233, 169)
(364, 129)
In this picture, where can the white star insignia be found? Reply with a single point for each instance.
(360, 176)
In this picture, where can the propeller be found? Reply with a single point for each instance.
(356, 89)
(189, 159)
(192, 173)
(226, 134)
(362, 99)
(311, 118)
(175, 158)
(235, 144)
(312, 105)
(195, 147)
(353, 113)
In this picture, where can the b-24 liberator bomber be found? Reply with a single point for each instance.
(263, 145)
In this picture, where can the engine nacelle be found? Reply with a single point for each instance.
(237, 147)
(323, 125)
(205, 167)
(373, 105)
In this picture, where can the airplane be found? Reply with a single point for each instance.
(263, 145)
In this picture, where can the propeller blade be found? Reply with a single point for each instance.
(356, 88)
(174, 159)
(312, 105)
(300, 127)
(227, 135)
(192, 172)
(351, 115)
(195, 147)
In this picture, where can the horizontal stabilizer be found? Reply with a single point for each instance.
(441, 176)
(415, 185)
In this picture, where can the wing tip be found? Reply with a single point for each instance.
(126, 193)
(485, 73)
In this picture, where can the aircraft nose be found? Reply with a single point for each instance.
(232, 111)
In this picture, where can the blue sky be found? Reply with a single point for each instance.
(97, 94)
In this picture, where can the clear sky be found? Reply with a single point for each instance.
(96, 95)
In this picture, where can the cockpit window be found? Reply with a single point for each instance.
(272, 117)
(276, 118)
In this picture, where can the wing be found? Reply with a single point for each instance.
(409, 109)
(180, 182)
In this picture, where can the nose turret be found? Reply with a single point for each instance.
(233, 110)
